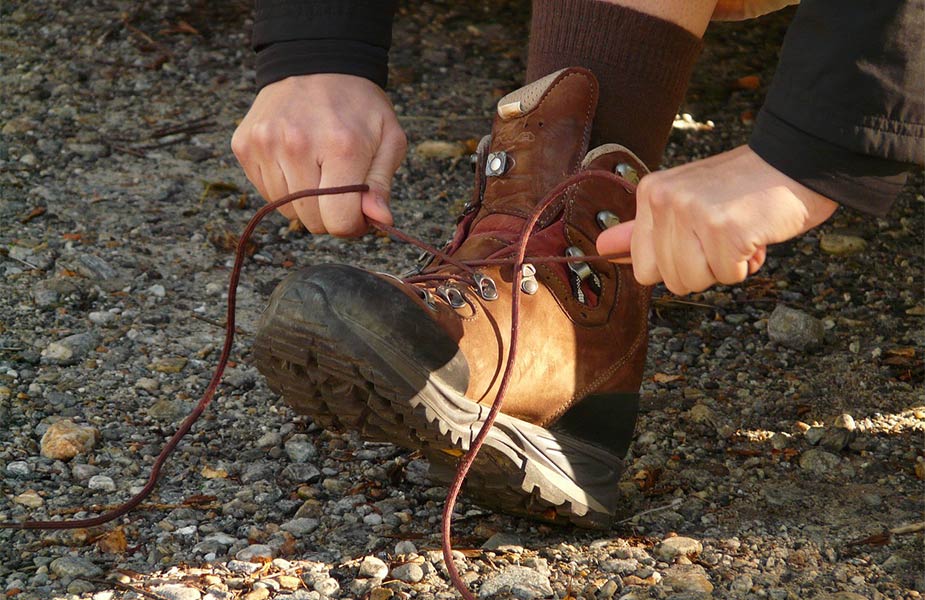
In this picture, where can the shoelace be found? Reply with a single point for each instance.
(517, 262)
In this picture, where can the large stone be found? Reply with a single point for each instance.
(795, 329)
(408, 572)
(74, 566)
(520, 582)
(70, 349)
(177, 591)
(687, 578)
(673, 547)
(64, 440)
(819, 462)
(371, 566)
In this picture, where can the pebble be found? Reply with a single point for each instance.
(102, 317)
(74, 566)
(837, 439)
(673, 547)
(173, 364)
(301, 473)
(838, 244)
(300, 526)
(687, 578)
(327, 586)
(176, 591)
(255, 552)
(94, 268)
(371, 566)
(814, 435)
(29, 499)
(439, 149)
(18, 468)
(102, 482)
(299, 449)
(64, 440)
(504, 542)
(70, 349)
(795, 329)
(408, 572)
(269, 440)
(819, 461)
(83, 471)
(147, 384)
(520, 582)
(405, 547)
(258, 593)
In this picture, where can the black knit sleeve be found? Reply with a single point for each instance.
(845, 114)
(302, 37)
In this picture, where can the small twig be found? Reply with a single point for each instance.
(129, 587)
(219, 324)
(910, 528)
(10, 349)
(128, 150)
(194, 126)
(670, 505)
(21, 261)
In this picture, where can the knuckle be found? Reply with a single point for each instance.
(261, 135)
(239, 145)
(295, 140)
(341, 143)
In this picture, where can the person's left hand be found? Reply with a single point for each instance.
(710, 221)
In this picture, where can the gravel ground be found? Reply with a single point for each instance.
(783, 419)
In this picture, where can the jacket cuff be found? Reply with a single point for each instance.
(308, 57)
(866, 183)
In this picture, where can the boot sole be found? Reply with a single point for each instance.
(327, 366)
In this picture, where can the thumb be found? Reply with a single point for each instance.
(616, 240)
(375, 202)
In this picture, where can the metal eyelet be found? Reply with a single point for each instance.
(496, 163)
(606, 219)
(627, 172)
(528, 283)
(427, 297)
(451, 296)
(486, 286)
(582, 269)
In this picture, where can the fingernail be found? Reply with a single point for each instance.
(381, 201)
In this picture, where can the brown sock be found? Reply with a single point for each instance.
(643, 64)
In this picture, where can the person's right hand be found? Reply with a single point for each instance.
(319, 131)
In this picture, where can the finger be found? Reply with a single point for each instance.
(274, 185)
(617, 240)
(666, 235)
(691, 262)
(375, 203)
(305, 175)
(642, 245)
(726, 261)
(255, 175)
(342, 214)
(757, 260)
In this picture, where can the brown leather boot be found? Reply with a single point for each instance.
(419, 362)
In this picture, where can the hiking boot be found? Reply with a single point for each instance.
(418, 362)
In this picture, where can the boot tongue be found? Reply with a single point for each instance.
(539, 138)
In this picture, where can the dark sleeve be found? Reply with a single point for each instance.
(302, 37)
(844, 114)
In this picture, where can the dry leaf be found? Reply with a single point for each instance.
(113, 542)
(665, 378)
(210, 473)
(749, 82)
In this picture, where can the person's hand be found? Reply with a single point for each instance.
(710, 221)
(318, 131)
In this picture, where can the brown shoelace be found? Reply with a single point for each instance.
(517, 261)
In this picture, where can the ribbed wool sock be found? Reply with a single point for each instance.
(642, 63)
